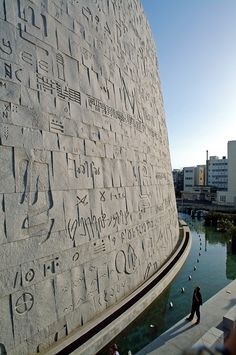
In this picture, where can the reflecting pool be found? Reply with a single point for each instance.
(215, 266)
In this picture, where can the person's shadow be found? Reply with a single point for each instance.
(231, 303)
(181, 327)
(178, 329)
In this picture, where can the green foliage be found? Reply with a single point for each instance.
(223, 221)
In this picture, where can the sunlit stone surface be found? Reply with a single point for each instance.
(87, 204)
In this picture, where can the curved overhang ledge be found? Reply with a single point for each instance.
(96, 334)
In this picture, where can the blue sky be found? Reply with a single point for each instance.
(196, 51)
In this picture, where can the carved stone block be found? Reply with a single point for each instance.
(87, 205)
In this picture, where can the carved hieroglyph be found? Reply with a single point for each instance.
(87, 206)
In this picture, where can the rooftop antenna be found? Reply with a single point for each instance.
(206, 179)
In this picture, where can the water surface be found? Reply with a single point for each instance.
(215, 268)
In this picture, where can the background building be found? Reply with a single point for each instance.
(178, 178)
(215, 181)
(200, 193)
(229, 197)
(189, 181)
(193, 176)
(217, 172)
(200, 175)
(232, 168)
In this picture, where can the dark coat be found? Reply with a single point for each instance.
(197, 297)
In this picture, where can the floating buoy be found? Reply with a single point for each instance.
(199, 235)
(171, 305)
(189, 277)
(200, 248)
(151, 325)
(194, 268)
(182, 290)
(197, 260)
(199, 254)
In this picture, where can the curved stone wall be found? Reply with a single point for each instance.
(87, 203)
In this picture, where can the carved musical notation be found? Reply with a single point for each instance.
(98, 106)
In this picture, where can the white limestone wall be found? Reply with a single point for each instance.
(87, 207)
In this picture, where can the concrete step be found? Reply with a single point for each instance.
(229, 319)
(210, 339)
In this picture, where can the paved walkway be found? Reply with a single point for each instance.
(184, 334)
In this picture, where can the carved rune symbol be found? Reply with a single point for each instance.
(29, 275)
(7, 45)
(75, 256)
(82, 200)
(102, 196)
(72, 226)
(24, 303)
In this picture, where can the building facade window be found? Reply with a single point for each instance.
(222, 198)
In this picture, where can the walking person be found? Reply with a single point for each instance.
(114, 350)
(196, 303)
